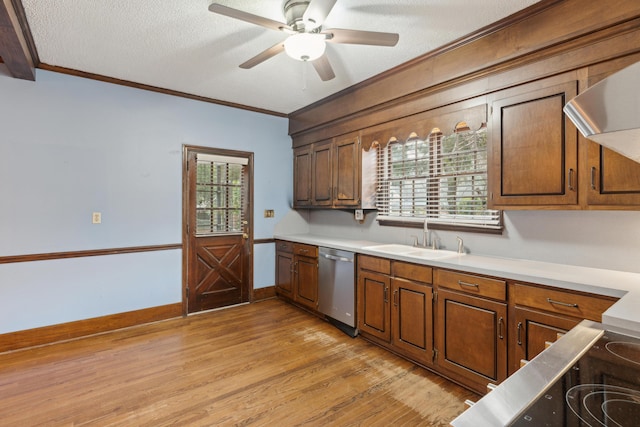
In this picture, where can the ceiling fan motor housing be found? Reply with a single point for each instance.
(293, 13)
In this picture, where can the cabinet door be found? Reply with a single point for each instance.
(471, 338)
(374, 314)
(321, 183)
(302, 176)
(531, 330)
(284, 274)
(346, 172)
(306, 289)
(412, 319)
(614, 180)
(533, 148)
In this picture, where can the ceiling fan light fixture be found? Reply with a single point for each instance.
(305, 46)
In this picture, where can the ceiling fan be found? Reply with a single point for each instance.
(307, 39)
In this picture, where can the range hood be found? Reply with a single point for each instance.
(609, 112)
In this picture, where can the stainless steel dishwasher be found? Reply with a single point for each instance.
(336, 288)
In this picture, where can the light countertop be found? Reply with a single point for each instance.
(625, 313)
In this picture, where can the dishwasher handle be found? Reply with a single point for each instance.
(337, 258)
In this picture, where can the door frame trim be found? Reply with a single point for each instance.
(186, 151)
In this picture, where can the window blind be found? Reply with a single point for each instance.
(440, 178)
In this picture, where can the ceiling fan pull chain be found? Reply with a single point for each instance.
(305, 65)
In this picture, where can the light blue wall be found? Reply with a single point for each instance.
(71, 146)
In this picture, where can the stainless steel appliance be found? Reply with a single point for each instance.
(336, 288)
(609, 112)
(590, 377)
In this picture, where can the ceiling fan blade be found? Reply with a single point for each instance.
(317, 11)
(263, 56)
(374, 38)
(248, 17)
(323, 68)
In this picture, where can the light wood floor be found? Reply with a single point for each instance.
(267, 363)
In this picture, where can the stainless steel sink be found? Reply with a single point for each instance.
(412, 251)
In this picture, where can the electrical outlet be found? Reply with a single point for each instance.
(96, 218)
(269, 213)
(359, 214)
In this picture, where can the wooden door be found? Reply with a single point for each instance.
(306, 277)
(302, 176)
(412, 319)
(472, 338)
(374, 314)
(321, 183)
(217, 213)
(346, 171)
(530, 331)
(533, 148)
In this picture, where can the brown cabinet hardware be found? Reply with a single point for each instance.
(564, 304)
(469, 285)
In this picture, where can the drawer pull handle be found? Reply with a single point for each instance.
(564, 304)
(593, 178)
(470, 285)
(395, 297)
(500, 323)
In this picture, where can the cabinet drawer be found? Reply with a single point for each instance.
(565, 302)
(414, 272)
(476, 285)
(379, 265)
(284, 246)
(305, 250)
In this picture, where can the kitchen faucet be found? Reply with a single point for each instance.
(425, 235)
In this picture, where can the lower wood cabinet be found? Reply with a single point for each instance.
(530, 331)
(284, 268)
(297, 273)
(412, 319)
(395, 306)
(539, 314)
(374, 315)
(306, 281)
(471, 338)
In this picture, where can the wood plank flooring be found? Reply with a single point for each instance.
(267, 363)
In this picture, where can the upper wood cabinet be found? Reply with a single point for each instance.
(302, 176)
(334, 173)
(614, 180)
(321, 182)
(533, 148)
(346, 171)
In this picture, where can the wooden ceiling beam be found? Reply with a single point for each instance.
(16, 45)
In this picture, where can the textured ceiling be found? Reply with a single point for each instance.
(181, 46)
